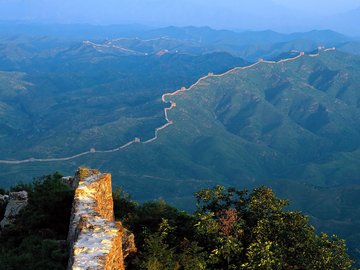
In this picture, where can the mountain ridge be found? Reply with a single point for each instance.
(169, 122)
(245, 148)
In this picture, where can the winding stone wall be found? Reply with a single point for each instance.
(95, 239)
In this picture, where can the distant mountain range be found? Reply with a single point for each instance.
(293, 125)
(280, 15)
(138, 40)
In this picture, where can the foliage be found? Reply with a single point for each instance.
(254, 230)
(37, 240)
(232, 229)
(123, 204)
(159, 254)
(294, 121)
(144, 219)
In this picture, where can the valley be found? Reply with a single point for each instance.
(169, 122)
(269, 109)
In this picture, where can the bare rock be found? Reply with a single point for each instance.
(16, 202)
(68, 181)
(4, 199)
(128, 243)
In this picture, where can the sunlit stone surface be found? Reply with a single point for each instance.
(96, 240)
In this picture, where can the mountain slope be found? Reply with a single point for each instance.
(278, 116)
(107, 102)
(290, 125)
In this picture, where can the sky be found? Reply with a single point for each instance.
(279, 15)
(322, 6)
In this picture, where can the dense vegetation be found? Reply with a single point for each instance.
(293, 126)
(119, 95)
(231, 229)
(38, 238)
(276, 125)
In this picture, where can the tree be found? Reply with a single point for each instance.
(252, 230)
(37, 239)
(158, 254)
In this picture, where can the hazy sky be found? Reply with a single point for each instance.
(281, 15)
(323, 6)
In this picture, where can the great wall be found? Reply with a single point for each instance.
(166, 110)
(95, 239)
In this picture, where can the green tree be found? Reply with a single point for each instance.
(254, 231)
(159, 255)
(264, 255)
(37, 240)
(124, 206)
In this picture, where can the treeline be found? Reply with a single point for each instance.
(37, 240)
(231, 229)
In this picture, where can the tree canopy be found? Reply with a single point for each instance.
(232, 229)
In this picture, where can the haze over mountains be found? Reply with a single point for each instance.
(66, 89)
(125, 80)
(280, 15)
(139, 40)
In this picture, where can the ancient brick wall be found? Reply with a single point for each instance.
(95, 239)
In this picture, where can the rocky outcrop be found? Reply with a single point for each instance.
(70, 182)
(96, 240)
(3, 203)
(3, 200)
(128, 243)
(16, 201)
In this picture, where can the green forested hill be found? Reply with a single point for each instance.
(294, 120)
(293, 126)
(68, 103)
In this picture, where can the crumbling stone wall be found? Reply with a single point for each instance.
(96, 240)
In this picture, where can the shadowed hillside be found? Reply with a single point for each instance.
(292, 125)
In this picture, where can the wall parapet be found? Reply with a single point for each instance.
(95, 239)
